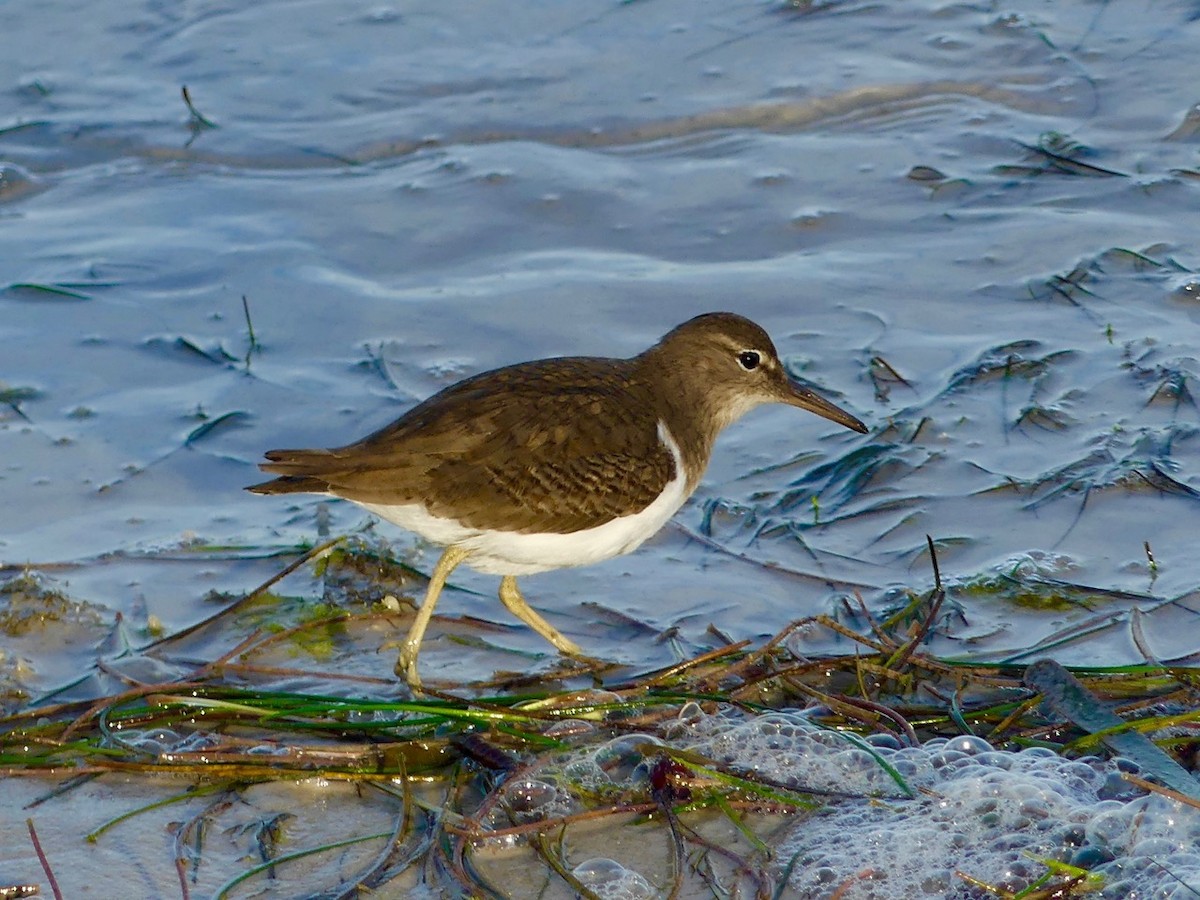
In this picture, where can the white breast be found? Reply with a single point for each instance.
(512, 553)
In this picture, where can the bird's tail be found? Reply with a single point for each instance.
(299, 470)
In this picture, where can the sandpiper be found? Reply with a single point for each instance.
(556, 462)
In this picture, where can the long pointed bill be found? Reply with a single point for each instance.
(800, 396)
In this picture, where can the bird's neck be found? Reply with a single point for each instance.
(691, 412)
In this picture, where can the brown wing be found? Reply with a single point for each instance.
(561, 445)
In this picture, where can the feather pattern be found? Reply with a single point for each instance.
(554, 445)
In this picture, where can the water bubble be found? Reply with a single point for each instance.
(610, 880)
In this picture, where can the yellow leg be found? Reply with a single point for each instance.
(406, 664)
(510, 596)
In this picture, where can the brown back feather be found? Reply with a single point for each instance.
(493, 451)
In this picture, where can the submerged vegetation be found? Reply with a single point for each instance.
(709, 762)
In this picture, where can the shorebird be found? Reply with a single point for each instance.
(556, 462)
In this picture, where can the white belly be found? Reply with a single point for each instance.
(513, 553)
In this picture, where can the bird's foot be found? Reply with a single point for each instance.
(406, 664)
(572, 665)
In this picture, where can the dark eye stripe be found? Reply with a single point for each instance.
(749, 359)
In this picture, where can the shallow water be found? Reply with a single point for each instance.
(409, 194)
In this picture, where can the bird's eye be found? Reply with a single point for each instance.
(749, 359)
